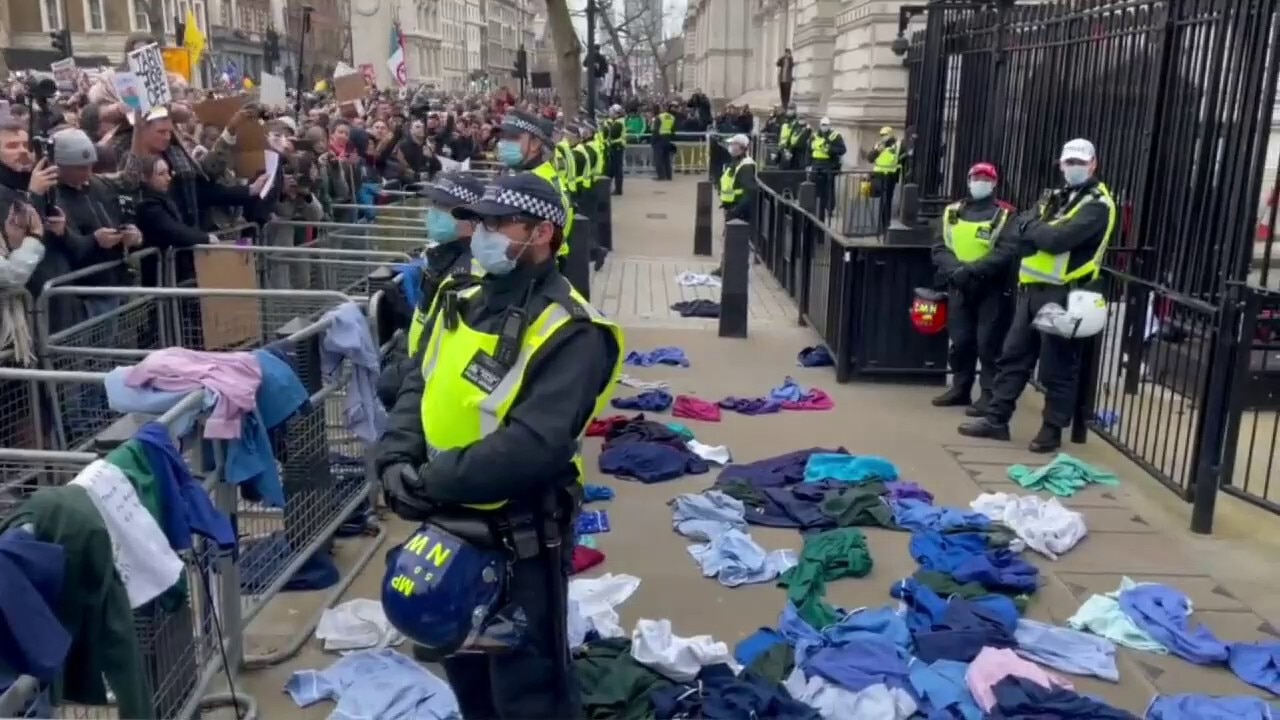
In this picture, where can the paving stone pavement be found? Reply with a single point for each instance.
(1136, 529)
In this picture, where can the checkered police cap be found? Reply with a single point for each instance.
(522, 194)
(458, 191)
(522, 122)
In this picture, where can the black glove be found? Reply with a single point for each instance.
(403, 487)
(961, 277)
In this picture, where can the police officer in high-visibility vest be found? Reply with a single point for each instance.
(616, 137)
(1062, 244)
(664, 130)
(797, 147)
(526, 145)
(585, 158)
(978, 273)
(826, 150)
(886, 166)
(596, 134)
(484, 441)
(784, 135)
(738, 184)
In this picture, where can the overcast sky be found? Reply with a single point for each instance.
(673, 15)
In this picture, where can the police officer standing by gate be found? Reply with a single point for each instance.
(886, 167)
(617, 143)
(826, 149)
(979, 282)
(1062, 244)
(487, 436)
(738, 185)
(664, 130)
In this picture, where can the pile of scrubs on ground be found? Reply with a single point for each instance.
(641, 449)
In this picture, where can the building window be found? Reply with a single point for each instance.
(138, 20)
(51, 15)
(95, 21)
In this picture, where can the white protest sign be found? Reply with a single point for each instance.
(450, 165)
(148, 64)
(271, 91)
(64, 71)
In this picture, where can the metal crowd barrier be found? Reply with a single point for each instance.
(182, 633)
(394, 237)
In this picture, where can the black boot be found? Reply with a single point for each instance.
(955, 396)
(984, 428)
(979, 409)
(1047, 440)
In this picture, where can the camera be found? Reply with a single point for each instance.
(42, 147)
(41, 87)
(128, 210)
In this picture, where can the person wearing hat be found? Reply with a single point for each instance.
(1062, 243)
(616, 139)
(826, 151)
(886, 167)
(590, 163)
(451, 255)
(977, 271)
(784, 134)
(568, 161)
(593, 136)
(526, 145)
(487, 434)
(663, 133)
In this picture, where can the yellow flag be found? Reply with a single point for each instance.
(193, 39)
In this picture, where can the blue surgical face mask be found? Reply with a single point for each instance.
(441, 226)
(509, 153)
(489, 248)
(981, 189)
(1075, 175)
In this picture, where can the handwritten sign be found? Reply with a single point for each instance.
(148, 64)
(147, 566)
(65, 72)
(129, 89)
(228, 323)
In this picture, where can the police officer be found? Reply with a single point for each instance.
(1062, 244)
(595, 137)
(797, 147)
(526, 145)
(826, 149)
(664, 130)
(487, 434)
(738, 184)
(617, 142)
(886, 167)
(784, 134)
(979, 286)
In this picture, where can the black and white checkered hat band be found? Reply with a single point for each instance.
(515, 122)
(528, 204)
(455, 190)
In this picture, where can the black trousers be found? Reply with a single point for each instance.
(1024, 346)
(977, 321)
(885, 185)
(662, 151)
(824, 180)
(522, 685)
(615, 167)
(784, 94)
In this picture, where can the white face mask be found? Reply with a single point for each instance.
(981, 189)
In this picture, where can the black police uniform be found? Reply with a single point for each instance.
(1059, 358)
(522, 461)
(979, 307)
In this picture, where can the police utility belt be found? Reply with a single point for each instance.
(523, 526)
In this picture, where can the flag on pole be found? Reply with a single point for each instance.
(395, 63)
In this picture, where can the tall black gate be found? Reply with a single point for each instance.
(1177, 96)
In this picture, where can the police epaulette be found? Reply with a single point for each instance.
(560, 292)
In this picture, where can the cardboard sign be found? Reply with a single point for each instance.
(251, 142)
(348, 88)
(271, 92)
(219, 111)
(228, 323)
(148, 64)
(178, 62)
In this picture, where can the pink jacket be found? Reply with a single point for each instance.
(232, 378)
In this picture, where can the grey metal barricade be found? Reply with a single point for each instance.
(283, 268)
(180, 634)
(410, 239)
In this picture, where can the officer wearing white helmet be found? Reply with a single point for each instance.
(1062, 243)
(616, 143)
(738, 182)
(826, 151)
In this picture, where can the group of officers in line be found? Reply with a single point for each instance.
(505, 363)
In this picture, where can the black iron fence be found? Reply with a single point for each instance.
(1177, 96)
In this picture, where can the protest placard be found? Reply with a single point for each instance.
(65, 73)
(148, 64)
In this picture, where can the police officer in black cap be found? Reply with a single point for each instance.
(526, 144)
(487, 435)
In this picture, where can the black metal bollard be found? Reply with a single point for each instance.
(604, 215)
(735, 279)
(577, 264)
(702, 220)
